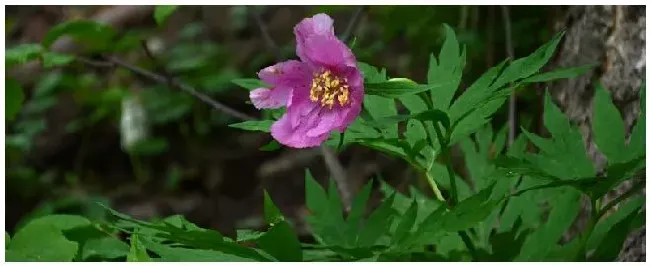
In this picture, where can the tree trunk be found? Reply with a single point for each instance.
(614, 38)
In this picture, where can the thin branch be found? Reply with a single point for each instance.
(352, 25)
(176, 83)
(270, 43)
(338, 173)
(512, 105)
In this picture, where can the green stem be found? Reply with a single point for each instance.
(447, 160)
(468, 242)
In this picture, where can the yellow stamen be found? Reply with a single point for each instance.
(327, 89)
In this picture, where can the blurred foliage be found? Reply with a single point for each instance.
(162, 135)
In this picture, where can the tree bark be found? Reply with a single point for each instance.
(614, 38)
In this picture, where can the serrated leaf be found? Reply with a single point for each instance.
(14, 97)
(434, 115)
(353, 221)
(161, 13)
(254, 125)
(448, 72)
(564, 155)
(608, 127)
(476, 93)
(559, 74)
(379, 107)
(527, 66)
(475, 119)
(375, 226)
(326, 217)
(250, 84)
(406, 223)
(137, 252)
(281, 242)
(566, 207)
(396, 87)
(96, 34)
(22, 54)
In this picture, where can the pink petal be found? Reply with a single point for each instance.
(296, 137)
(326, 51)
(289, 73)
(319, 24)
(263, 98)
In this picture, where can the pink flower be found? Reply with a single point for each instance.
(322, 92)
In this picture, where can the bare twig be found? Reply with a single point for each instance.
(176, 83)
(512, 107)
(338, 173)
(352, 25)
(117, 17)
(270, 43)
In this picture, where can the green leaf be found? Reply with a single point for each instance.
(326, 217)
(478, 92)
(630, 208)
(380, 107)
(52, 59)
(564, 155)
(375, 226)
(448, 72)
(406, 223)
(271, 212)
(22, 54)
(14, 97)
(137, 252)
(250, 84)
(97, 35)
(371, 74)
(161, 13)
(174, 254)
(613, 241)
(608, 127)
(396, 87)
(559, 74)
(41, 240)
(314, 194)
(62, 221)
(7, 239)
(271, 146)
(254, 125)
(475, 119)
(434, 115)
(527, 66)
(566, 208)
(353, 221)
(105, 247)
(281, 242)
(244, 235)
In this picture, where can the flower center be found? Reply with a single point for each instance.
(326, 88)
